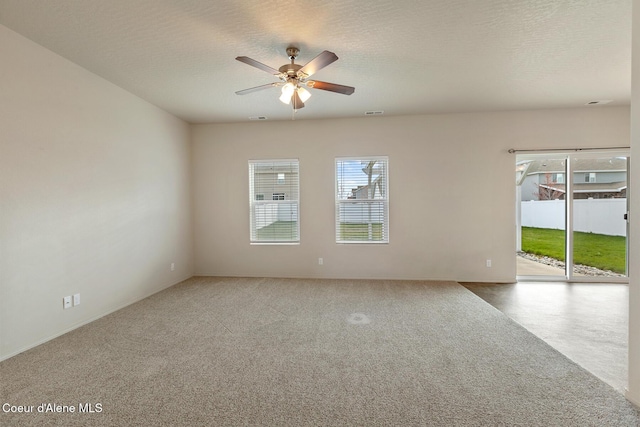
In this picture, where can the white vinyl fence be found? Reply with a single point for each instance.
(268, 213)
(362, 213)
(355, 213)
(600, 216)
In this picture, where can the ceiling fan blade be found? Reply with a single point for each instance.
(319, 62)
(255, 89)
(332, 87)
(259, 65)
(296, 101)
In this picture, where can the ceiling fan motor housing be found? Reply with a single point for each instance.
(290, 70)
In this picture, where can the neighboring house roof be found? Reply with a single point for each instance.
(545, 166)
(579, 165)
(609, 187)
(526, 169)
(615, 164)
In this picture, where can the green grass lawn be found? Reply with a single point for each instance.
(596, 250)
(359, 232)
(278, 231)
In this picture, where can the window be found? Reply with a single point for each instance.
(275, 220)
(558, 178)
(590, 177)
(362, 200)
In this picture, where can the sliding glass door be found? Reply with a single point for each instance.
(599, 206)
(572, 217)
(541, 208)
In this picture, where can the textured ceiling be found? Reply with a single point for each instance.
(402, 56)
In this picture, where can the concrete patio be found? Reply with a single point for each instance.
(527, 267)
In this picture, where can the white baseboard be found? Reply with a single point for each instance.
(632, 397)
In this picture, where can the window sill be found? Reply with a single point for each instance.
(274, 243)
(362, 243)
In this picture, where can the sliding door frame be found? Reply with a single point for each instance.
(568, 219)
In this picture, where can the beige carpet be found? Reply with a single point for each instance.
(287, 352)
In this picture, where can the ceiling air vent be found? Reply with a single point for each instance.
(258, 118)
(373, 113)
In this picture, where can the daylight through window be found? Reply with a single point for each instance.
(362, 200)
(274, 218)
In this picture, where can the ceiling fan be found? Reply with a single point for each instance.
(294, 78)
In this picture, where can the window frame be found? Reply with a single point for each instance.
(558, 178)
(254, 202)
(384, 201)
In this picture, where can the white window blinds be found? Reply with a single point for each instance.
(362, 200)
(274, 201)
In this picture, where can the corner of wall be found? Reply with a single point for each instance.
(633, 393)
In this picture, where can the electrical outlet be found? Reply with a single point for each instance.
(173, 266)
(66, 302)
(76, 299)
(488, 263)
(320, 261)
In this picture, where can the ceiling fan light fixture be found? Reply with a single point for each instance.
(287, 92)
(285, 99)
(304, 94)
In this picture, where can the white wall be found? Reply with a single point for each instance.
(457, 160)
(94, 195)
(634, 232)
